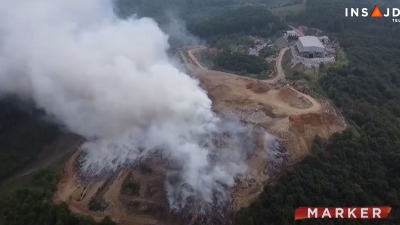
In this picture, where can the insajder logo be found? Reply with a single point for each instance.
(376, 12)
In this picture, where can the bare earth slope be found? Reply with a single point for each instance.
(292, 117)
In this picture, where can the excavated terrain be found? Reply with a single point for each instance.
(286, 122)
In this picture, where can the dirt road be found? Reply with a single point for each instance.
(191, 53)
(236, 81)
(281, 76)
(281, 73)
(78, 195)
(63, 146)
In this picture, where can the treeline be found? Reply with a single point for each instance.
(258, 21)
(359, 167)
(23, 134)
(184, 8)
(159, 8)
(238, 62)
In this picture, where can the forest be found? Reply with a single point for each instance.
(361, 165)
(187, 9)
(256, 21)
(238, 62)
(230, 31)
(19, 120)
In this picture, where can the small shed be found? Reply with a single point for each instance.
(292, 34)
(324, 39)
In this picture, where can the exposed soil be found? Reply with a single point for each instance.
(294, 99)
(258, 87)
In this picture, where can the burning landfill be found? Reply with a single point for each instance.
(112, 82)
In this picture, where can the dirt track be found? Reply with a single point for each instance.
(193, 50)
(281, 72)
(237, 82)
(77, 194)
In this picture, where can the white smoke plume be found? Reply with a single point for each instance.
(111, 81)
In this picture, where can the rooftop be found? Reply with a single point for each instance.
(308, 41)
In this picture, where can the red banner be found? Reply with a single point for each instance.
(376, 212)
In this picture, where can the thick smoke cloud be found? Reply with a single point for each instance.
(111, 81)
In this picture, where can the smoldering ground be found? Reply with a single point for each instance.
(111, 81)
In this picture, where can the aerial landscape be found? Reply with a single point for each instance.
(197, 112)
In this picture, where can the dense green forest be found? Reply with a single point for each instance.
(21, 121)
(187, 9)
(236, 42)
(361, 165)
(256, 21)
(157, 8)
(238, 62)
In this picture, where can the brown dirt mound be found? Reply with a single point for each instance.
(258, 87)
(293, 99)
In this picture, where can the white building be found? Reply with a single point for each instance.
(310, 46)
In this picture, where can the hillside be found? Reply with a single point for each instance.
(21, 121)
(32, 150)
(188, 9)
(356, 167)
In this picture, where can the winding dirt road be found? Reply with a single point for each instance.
(195, 49)
(271, 98)
(316, 106)
(281, 73)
